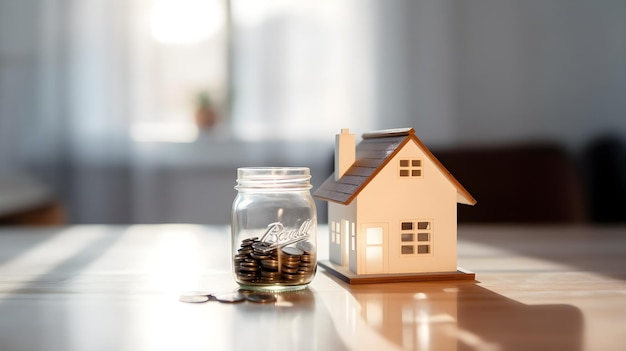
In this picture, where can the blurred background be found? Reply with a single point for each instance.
(140, 111)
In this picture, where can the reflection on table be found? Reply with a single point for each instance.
(107, 287)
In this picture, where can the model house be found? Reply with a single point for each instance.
(391, 206)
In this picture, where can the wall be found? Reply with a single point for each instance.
(502, 71)
(540, 69)
(484, 71)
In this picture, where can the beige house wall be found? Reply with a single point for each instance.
(391, 199)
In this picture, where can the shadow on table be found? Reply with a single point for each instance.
(464, 316)
(593, 248)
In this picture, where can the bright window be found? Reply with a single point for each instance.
(179, 68)
(266, 69)
(301, 69)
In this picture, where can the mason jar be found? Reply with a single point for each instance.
(274, 229)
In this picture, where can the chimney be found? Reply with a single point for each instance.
(345, 152)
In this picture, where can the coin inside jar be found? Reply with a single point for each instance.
(245, 250)
(292, 251)
(305, 246)
(249, 241)
(257, 262)
(259, 256)
(270, 264)
(270, 274)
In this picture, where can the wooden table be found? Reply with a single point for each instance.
(117, 288)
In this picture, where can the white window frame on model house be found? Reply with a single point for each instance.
(335, 232)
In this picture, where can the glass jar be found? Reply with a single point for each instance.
(274, 229)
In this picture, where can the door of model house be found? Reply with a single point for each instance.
(375, 248)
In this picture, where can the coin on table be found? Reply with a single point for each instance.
(194, 298)
(197, 292)
(260, 297)
(230, 297)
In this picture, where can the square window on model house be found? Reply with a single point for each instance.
(407, 249)
(410, 168)
(415, 237)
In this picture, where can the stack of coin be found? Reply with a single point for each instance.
(256, 263)
(270, 272)
(308, 260)
(290, 263)
(246, 267)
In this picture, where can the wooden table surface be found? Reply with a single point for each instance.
(117, 288)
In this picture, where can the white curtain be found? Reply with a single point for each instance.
(302, 72)
(302, 69)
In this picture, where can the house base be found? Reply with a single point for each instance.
(349, 277)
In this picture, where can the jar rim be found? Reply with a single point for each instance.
(273, 177)
(279, 172)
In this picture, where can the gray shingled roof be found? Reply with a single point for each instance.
(372, 154)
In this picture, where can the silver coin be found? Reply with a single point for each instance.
(292, 251)
(260, 297)
(230, 297)
(193, 298)
(262, 247)
(197, 292)
(305, 246)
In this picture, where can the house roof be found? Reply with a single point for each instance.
(372, 155)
